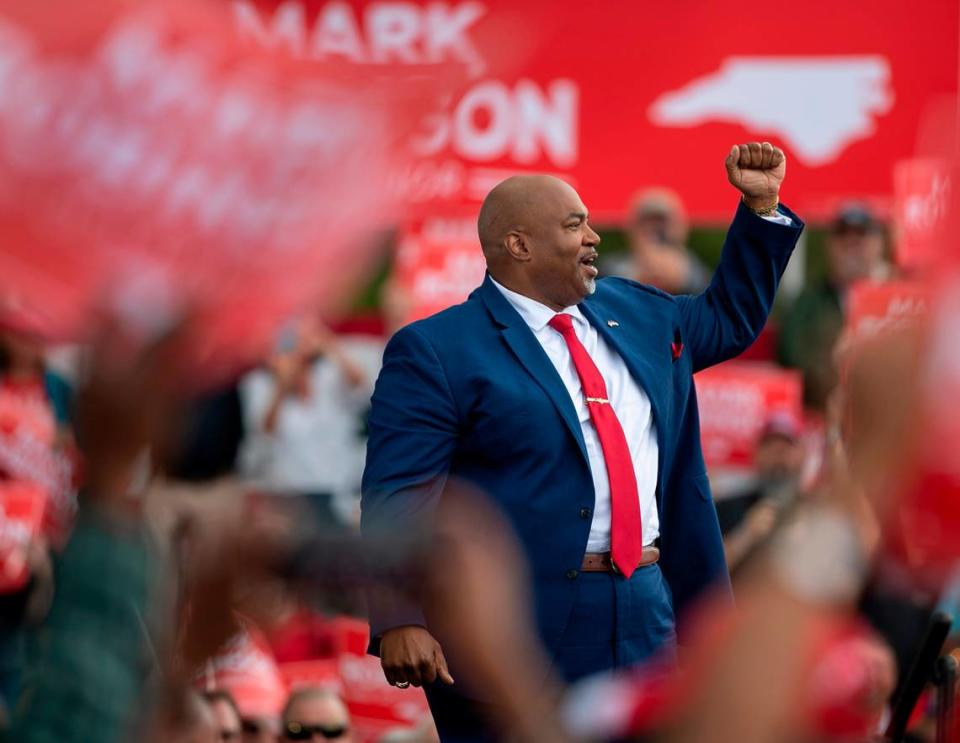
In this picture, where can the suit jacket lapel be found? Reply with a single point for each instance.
(525, 346)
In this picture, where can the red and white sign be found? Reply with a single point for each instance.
(630, 95)
(151, 164)
(438, 263)
(922, 196)
(375, 706)
(735, 400)
(876, 307)
(22, 506)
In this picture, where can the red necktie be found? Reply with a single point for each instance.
(626, 546)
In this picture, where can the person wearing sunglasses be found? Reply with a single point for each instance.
(314, 714)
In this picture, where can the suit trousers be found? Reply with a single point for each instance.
(614, 623)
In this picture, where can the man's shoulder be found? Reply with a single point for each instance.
(618, 286)
(446, 324)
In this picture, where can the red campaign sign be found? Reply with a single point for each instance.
(375, 706)
(630, 95)
(246, 668)
(150, 162)
(876, 307)
(438, 263)
(922, 196)
(735, 400)
(22, 506)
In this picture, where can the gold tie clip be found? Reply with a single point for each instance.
(601, 400)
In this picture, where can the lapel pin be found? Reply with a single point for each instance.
(613, 324)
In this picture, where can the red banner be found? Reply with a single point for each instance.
(735, 400)
(619, 96)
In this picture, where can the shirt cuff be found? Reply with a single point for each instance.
(779, 218)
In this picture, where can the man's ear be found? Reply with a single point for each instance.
(516, 245)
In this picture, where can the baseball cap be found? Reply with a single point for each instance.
(855, 215)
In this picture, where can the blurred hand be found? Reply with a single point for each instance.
(761, 519)
(757, 170)
(288, 371)
(411, 655)
(663, 266)
(128, 405)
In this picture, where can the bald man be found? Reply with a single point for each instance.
(569, 400)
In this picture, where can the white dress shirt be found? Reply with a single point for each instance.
(628, 401)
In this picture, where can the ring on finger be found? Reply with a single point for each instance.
(402, 684)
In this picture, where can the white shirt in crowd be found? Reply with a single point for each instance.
(316, 446)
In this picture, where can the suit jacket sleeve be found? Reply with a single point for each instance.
(412, 437)
(728, 316)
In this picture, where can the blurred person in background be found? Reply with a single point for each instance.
(812, 325)
(316, 714)
(746, 519)
(36, 454)
(658, 255)
(225, 714)
(425, 732)
(184, 716)
(303, 420)
(521, 390)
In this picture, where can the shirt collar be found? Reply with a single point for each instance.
(535, 314)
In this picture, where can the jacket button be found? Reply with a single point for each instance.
(572, 574)
(585, 513)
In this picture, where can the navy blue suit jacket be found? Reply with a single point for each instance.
(470, 394)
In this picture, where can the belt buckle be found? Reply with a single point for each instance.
(613, 566)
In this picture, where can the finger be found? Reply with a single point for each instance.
(756, 154)
(412, 674)
(428, 671)
(778, 157)
(391, 675)
(744, 160)
(766, 155)
(443, 673)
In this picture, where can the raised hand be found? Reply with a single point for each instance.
(757, 170)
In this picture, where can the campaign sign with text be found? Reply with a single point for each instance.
(438, 263)
(922, 196)
(878, 307)
(735, 400)
(629, 95)
(22, 506)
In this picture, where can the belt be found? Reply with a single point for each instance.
(599, 562)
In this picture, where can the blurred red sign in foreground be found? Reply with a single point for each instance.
(151, 163)
(926, 536)
(735, 400)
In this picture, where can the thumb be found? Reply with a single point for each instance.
(732, 158)
(443, 673)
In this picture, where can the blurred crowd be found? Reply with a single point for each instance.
(187, 570)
